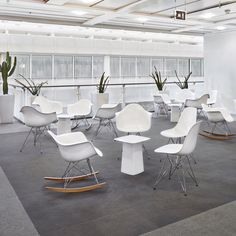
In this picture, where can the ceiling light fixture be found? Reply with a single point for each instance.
(221, 27)
(142, 19)
(79, 13)
(207, 15)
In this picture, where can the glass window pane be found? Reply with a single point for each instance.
(63, 67)
(98, 66)
(128, 66)
(143, 66)
(83, 67)
(170, 66)
(196, 67)
(183, 67)
(41, 67)
(22, 66)
(115, 67)
(158, 63)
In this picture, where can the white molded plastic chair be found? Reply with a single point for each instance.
(105, 114)
(81, 109)
(213, 98)
(162, 101)
(177, 156)
(48, 106)
(133, 119)
(74, 148)
(37, 121)
(187, 119)
(219, 117)
(197, 103)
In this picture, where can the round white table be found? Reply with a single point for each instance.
(132, 154)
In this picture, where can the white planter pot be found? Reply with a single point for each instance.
(7, 103)
(98, 100)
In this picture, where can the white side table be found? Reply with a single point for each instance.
(175, 111)
(64, 124)
(132, 154)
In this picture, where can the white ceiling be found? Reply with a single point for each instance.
(134, 15)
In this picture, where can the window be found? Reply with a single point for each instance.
(98, 66)
(41, 67)
(170, 66)
(63, 67)
(143, 66)
(196, 67)
(183, 67)
(128, 67)
(115, 67)
(83, 67)
(22, 66)
(158, 63)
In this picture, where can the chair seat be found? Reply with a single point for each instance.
(173, 133)
(169, 149)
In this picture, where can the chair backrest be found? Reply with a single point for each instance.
(213, 97)
(133, 119)
(81, 108)
(35, 118)
(108, 112)
(74, 146)
(197, 103)
(48, 106)
(158, 99)
(166, 98)
(187, 119)
(190, 141)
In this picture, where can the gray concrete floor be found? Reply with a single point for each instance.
(128, 205)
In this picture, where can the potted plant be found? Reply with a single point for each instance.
(101, 97)
(31, 86)
(7, 101)
(158, 80)
(184, 84)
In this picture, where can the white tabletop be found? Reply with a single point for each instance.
(132, 139)
(175, 104)
(64, 116)
(108, 105)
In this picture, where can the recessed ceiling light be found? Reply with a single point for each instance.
(221, 27)
(79, 13)
(141, 19)
(207, 15)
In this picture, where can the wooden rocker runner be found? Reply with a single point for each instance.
(75, 148)
(220, 118)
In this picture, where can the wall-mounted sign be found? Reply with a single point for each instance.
(180, 15)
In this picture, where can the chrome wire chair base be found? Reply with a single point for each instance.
(78, 122)
(37, 132)
(177, 165)
(69, 176)
(103, 123)
(162, 109)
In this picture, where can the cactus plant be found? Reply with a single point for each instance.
(103, 83)
(184, 84)
(7, 70)
(157, 78)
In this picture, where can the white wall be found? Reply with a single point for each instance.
(49, 44)
(220, 66)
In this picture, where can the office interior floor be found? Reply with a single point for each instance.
(127, 205)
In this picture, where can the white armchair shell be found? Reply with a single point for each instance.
(74, 148)
(37, 121)
(133, 119)
(48, 106)
(81, 108)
